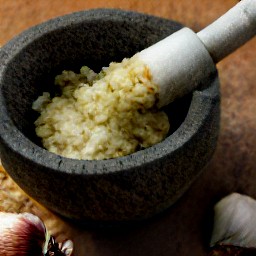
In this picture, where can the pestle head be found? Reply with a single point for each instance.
(178, 64)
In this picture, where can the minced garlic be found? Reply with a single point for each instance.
(102, 116)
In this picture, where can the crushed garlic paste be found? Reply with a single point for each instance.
(101, 116)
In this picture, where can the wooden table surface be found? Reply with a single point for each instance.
(184, 229)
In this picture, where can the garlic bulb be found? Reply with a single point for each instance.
(235, 221)
(21, 234)
(25, 234)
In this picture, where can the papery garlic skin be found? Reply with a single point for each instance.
(21, 234)
(67, 247)
(235, 221)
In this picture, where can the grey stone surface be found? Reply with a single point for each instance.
(125, 189)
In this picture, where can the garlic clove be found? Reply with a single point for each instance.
(67, 247)
(59, 249)
(21, 234)
(235, 221)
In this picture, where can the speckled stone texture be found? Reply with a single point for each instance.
(117, 190)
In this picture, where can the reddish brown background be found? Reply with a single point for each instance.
(185, 228)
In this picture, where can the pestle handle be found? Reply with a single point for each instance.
(230, 31)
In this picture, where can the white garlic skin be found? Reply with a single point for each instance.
(235, 221)
(21, 234)
(67, 247)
